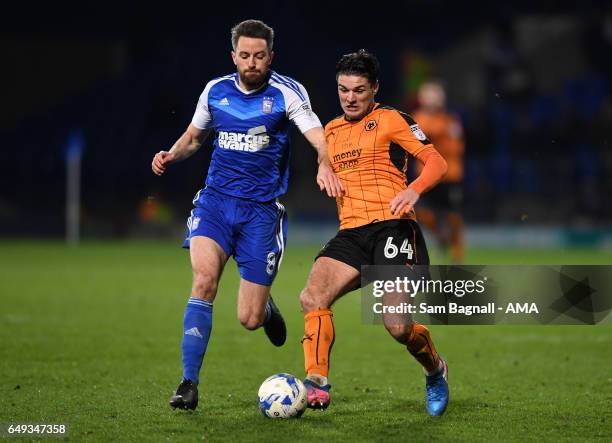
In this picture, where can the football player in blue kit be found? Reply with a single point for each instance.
(237, 213)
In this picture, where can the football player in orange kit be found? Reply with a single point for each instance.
(443, 204)
(369, 147)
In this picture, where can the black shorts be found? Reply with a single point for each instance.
(390, 242)
(444, 197)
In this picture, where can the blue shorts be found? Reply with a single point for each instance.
(254, 233)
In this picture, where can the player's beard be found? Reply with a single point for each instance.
(253, 79)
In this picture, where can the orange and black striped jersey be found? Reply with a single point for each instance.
(370, 156)
(445, 131)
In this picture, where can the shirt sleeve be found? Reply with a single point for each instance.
(406, 132)
(299, 110)
(434, 169)
(202, 118)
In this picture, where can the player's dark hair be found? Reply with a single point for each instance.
(253, 29)
(362, 63)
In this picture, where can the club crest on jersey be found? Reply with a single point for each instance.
(420, 135)
(370, 124)
(267, 104)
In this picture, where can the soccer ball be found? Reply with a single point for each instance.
(282, 396)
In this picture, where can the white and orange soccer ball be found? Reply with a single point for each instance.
(282, 396)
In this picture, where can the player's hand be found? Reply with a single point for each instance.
(328, 180)
(404, 201)
(161, 160)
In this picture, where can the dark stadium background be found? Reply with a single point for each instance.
(90, 335)
(531, 82)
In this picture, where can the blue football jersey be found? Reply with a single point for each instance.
(251, 134)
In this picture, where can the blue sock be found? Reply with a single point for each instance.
(196, 332)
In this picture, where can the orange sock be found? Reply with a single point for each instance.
(421, 346)
(318, 340)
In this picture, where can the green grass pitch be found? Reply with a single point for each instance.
(90, 337)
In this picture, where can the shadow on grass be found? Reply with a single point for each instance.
(380, 418)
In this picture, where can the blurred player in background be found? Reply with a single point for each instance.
(237, 213)
(370, 147)
(441, 208)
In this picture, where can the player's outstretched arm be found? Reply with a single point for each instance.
(185, 146)
(434, 168)
(326, 178)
